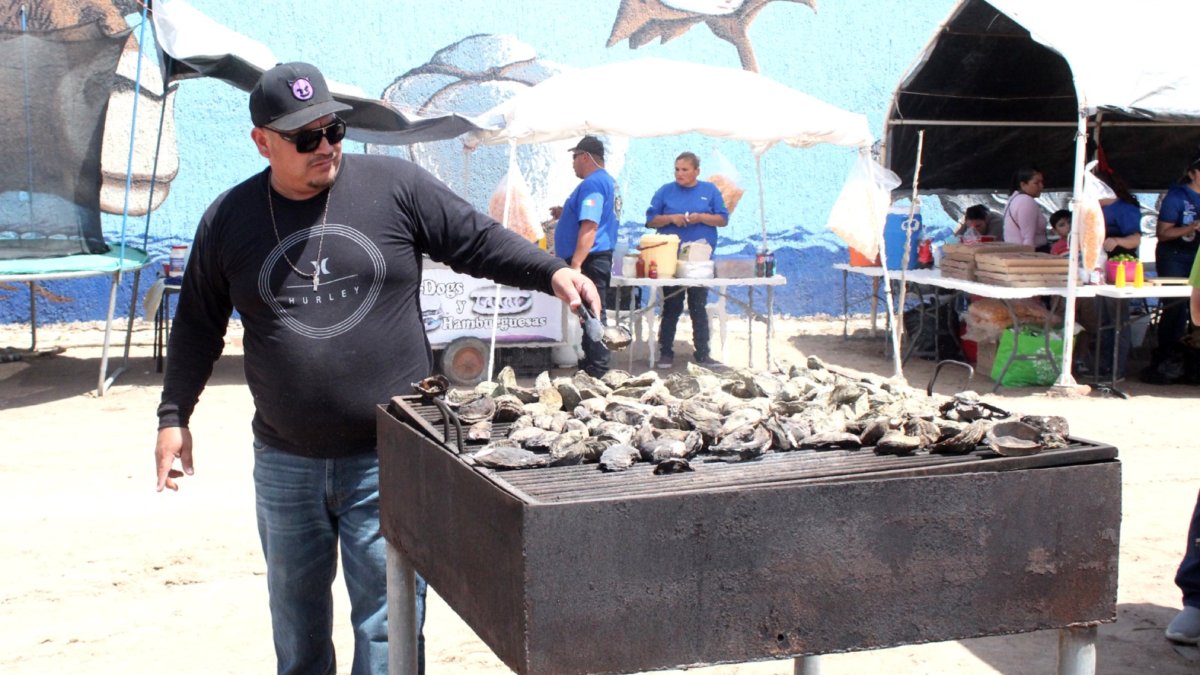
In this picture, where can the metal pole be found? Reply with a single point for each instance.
(1065, 379)
(401, 613)
(750, 325)
(807, 665)
(1077, 650)
(112, 308)
(770, 325)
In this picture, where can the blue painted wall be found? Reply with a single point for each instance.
(850, 54)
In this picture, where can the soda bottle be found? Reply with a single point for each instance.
(769, 264)
(760, 264)
(641, 267)
(925, 254)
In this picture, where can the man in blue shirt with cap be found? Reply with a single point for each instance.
(586, 233)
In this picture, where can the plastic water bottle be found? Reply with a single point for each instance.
(618, 257)
(1189, 217)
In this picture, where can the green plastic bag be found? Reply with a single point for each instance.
(1038, 372)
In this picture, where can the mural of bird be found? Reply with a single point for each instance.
(643, 21)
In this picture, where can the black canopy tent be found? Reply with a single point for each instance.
(1010, 83)
(992, 96)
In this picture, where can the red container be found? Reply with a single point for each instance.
(1111, 271)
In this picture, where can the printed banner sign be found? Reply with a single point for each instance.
(458, 305)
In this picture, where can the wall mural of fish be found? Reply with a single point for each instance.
(642, 21)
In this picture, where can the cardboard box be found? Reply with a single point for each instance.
(735, 267)
(985, 357)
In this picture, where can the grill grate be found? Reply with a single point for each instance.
(588, 483)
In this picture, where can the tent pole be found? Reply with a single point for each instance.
(1065, 379)
(898, 326)
(508, 195)
(762, 200)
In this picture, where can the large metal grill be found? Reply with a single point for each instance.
(572, 570)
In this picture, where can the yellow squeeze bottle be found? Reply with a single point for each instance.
(1139, 275)
(1119, 282)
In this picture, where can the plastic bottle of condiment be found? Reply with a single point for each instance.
(1119, 282)
(1139, 275)
(653, 271)
(641, 267)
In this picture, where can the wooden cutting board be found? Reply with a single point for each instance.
(1021, 280)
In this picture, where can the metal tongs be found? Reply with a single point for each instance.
(614, 338)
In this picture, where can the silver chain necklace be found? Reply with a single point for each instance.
(316, 273)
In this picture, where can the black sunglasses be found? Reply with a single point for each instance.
(308, 140)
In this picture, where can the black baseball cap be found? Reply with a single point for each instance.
(291, 95)
(591, 145)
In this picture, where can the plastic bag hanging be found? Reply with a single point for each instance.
(861, 208)
(720, 172)
(1089, 219)
(522, 217)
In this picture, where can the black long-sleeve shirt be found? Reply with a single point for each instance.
(318, 362)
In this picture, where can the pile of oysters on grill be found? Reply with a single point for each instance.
(729, 416)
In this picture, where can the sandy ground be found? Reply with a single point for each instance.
(103, 575)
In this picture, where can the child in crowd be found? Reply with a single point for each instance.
(1060, 222)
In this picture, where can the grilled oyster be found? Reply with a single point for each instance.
(480, 431)
(432, 386)
(615, 378)
(742, 418)
(896, 442)
(477, 409)
(508, 409)
(965, 440)
(663, 448)
(509, 457)
(590, 387)
(672, 465)
(682, 385)
(568, 392)
(569, 455)
(832, 439)
(746, 442)
(618, 457)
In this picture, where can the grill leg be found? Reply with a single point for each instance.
(401, 613)
(1077, 651)
(807, 665)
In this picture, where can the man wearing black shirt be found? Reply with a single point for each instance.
(320, 254)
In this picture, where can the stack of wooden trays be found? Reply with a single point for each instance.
(1024, 269)
(958, 260)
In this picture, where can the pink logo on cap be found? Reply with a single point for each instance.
(302, 89)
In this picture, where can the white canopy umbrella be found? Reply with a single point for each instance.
(618, 99)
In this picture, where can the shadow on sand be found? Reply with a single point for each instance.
(43, 378)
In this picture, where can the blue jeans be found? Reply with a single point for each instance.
(697, 298)
(305, 508)
(1188, 576)
(1169, 262)
(597, 267)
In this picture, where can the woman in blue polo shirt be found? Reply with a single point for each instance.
(692, 209)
